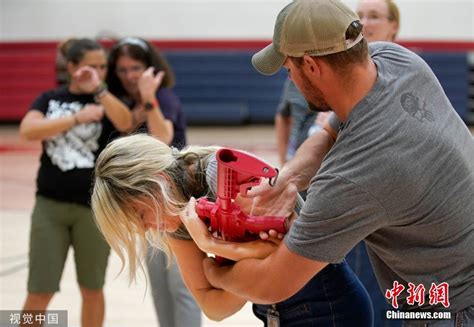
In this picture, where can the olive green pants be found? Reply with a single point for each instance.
(55, 226)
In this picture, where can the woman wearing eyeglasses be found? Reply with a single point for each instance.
(380, 18)
(142, 78)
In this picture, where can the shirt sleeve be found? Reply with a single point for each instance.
(334, 122)
(41, 103)
(337, 215)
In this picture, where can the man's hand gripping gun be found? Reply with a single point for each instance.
(237, 172)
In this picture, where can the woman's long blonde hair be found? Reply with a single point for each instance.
(140, 168)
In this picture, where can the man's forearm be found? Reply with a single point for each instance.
(264, 281)
(244, 279)
(307, 160)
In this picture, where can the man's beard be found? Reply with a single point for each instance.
(317, 102)
(315, 108)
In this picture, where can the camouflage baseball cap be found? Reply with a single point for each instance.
(312, 27)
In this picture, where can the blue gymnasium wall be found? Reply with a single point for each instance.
(216, 86)
(222, 87)
(452, 71)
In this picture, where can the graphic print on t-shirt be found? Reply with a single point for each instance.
(73, 148)
(412, 104)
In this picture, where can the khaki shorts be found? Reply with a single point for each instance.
(55, 226)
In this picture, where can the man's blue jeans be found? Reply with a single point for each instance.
(333, 297)
(358, 260)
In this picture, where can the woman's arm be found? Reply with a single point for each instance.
(157, 124)
(34, 126)
(235, 251)
(216, 304)
(117, 112)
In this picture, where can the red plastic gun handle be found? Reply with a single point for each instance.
(256, 224)
(235, 222)
(207, 210)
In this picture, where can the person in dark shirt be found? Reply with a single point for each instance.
(74, 123)
(140, 76)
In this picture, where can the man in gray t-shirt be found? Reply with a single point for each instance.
(399, 174)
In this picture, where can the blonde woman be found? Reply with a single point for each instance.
(141, 77)
(142, 189)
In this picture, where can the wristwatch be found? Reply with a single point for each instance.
(150, 105)
(100, 93)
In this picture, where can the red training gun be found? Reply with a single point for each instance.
(237, 172)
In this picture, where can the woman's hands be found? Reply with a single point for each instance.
(90, 113)
(231, 250)
(197, 228)
(148, 83)
(158, 125)
(87, 79)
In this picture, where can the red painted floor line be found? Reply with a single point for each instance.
(18, 148)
